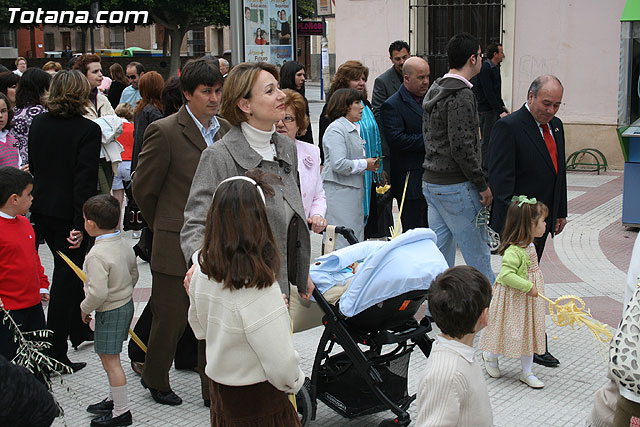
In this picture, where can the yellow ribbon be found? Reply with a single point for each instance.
(292, 396)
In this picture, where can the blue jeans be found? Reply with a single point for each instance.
(452, 216)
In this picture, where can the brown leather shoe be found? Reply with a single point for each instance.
(137, 367)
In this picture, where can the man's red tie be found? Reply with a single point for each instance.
(551, 145)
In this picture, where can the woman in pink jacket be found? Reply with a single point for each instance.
(294, 124)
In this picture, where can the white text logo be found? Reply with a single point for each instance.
(69, 17)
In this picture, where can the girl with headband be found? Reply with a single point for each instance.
(516, 316)
(236, 305)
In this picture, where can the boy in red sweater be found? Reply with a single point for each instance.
(23, 284)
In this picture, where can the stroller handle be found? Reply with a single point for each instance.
(348, 234)
(345, 232)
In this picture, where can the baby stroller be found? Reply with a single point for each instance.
(373, 323)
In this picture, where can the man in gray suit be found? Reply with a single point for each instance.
(388, 83)
(166, 166)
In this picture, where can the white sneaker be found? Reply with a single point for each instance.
(491, 365)
(531, 380)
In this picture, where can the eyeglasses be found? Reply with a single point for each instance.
(132, 77)
(289, 119)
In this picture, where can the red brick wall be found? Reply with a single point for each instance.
(25, 46)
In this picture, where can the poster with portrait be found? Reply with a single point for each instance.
(268, 24)
(280, 22)
(256, 23)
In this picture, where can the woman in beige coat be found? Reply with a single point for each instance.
(89, 65)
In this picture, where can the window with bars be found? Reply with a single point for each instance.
(80, 41)
(8, 38)
(49, 42)
(116, 38)
(434, 22)
(195, 42)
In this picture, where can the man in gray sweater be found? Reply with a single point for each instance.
(453, 182)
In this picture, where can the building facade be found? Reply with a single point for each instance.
(578, 41)
(33, 43)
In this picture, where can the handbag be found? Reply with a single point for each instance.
(133, 219)
(380, 213)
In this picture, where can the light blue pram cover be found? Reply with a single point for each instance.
(388, 269)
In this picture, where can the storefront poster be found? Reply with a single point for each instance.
(268, 34)
(280, 55)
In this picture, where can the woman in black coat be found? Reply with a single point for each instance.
(64, 150)
(293, 76)
(148, 110)
(118, 84)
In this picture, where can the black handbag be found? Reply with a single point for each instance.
(380, 215)
(133, 219)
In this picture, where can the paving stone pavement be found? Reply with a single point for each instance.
(588, 259)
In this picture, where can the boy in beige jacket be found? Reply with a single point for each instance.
(112, 273)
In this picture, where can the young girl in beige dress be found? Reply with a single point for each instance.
(516, 316)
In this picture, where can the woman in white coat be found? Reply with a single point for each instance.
(345, 163)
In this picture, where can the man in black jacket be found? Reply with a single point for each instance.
(527, 157)
(401, 119)
(489, 92)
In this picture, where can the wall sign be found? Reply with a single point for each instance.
(310, 28)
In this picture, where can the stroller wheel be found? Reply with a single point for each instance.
(394, 422)
(493, 240)
(305, 408)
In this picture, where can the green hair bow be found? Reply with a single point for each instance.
(523, 199)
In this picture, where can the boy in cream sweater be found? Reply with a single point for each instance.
(453, 391)
(111, 274)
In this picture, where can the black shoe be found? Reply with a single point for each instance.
(546, 359)
(88, 338)
(103, 407)
(163, 397)
(207, 403)
(74, 366)
(553, 359)
(109, 420)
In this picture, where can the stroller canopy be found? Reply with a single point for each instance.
(388, 269)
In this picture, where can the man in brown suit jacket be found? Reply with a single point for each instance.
(166, 166)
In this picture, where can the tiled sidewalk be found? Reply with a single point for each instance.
(588, 259)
